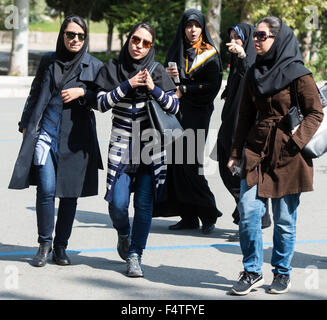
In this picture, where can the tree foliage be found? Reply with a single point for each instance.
(300, 15)
(161, 14)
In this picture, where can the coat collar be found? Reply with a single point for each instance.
(80, 70)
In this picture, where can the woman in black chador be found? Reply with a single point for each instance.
(187, 193)
(60, 152)
(243, 56)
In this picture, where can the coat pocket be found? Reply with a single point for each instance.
(289, 149)
(258, 138)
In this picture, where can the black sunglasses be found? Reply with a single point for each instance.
(262, 35)
(71, 35)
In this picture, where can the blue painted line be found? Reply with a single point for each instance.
(10, 140)
(221, 245)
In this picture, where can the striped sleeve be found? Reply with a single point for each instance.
(167, 100)
(107, 100)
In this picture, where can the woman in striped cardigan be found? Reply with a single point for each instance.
(125, 87)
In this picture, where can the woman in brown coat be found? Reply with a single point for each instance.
(272, 164)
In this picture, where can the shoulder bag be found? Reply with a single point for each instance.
(317, 146)
(166, 124)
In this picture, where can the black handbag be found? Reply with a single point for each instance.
(166, 124)
(317, 146)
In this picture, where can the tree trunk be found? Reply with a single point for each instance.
(89, 28)
(316, 45)
(306, 45)
(195, 4)
(19, 50)
(109, 37)
(214, 19)
(121, 38)
(245, 13)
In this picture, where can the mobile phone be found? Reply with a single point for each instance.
(237, 170)
(174, 64)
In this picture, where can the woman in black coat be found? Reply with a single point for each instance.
(60, 152)
(243, 56)
(200, 72)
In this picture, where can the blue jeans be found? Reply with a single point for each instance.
(45, 206)
(251, 209)
(143, 206)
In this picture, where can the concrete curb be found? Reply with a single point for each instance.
(15, 87)
(19, 87)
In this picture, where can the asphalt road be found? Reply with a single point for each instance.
(177, 265)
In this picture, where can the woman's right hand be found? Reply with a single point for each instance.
(138, 80)
(231, 163)
(172, 72)
(24, 131)
(235, 48)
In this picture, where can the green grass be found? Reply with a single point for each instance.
(54, 26)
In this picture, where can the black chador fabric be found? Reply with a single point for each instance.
(66, 61)
(234, 88)
(116, 71)
(282, 64)
(187, 191)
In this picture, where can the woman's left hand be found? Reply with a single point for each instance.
(148, 80)
(70, 94)
(178, 93)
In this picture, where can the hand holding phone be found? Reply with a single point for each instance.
(172, 64)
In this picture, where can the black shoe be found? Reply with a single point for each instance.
(235, 237)
(60, 257)
(124, 241)
(280, 284)
(40, 259)
(182, 225)
(208, 228)
(219, 213)
(246, 282)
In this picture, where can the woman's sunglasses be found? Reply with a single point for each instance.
(262, 35)
(71, 35)
(136, 40)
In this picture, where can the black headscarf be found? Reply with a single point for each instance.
(114, 72)
(245, 31)
(66, 61)
(180, 46)
(282, 64)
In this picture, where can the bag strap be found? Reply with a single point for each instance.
(150, 70)
(294, 97)
(152, 67)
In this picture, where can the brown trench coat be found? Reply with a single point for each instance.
(270, 152)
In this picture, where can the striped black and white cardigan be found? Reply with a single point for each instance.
(129, 113)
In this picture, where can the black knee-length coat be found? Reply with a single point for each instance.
(79, 155)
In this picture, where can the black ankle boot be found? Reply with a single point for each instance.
(40, 259)
(60, 257)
